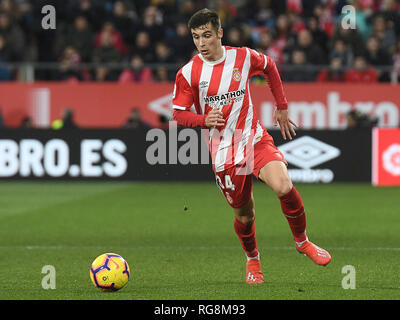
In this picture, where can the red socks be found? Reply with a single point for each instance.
(293, 209)
(247, 237)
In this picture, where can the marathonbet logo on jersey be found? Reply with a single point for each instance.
(225, 98)
(307, 152)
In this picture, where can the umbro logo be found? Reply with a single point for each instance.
(203, 84)
(307, 152)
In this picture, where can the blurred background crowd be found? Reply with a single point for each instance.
(148, 40)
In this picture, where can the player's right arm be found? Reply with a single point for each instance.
(182, 102)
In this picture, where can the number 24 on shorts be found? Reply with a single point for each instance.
(228, 183)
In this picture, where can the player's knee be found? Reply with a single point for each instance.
(247, 218)
(282, 186)
(246, 213)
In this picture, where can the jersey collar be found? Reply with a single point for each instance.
(212, 63)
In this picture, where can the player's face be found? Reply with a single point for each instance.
(208, 41)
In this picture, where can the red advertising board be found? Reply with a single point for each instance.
(107, 105)
(385, 157)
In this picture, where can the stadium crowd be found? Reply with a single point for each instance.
(151, 40)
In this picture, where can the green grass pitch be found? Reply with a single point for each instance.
(194, 254)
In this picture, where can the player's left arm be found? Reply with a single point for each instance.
(263, 64)
(281, 114)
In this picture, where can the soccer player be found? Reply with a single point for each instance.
(216, 83)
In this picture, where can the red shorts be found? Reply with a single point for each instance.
(236, 182)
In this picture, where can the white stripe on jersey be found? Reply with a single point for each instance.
(265, 57)
(265, 62)
(226, 143)
(259, 133)
(187, 72)
(246, 131)
(206, 73)
(178, 107)
(226, 77)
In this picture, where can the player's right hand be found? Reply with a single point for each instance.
(214, 118)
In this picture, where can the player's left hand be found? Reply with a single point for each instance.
(281, 117)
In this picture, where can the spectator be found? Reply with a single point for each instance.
(106, 53)
(163, 53)
(238, 36)
(135, 121)
(125, 21)
(168, 8)
(136, 72)
(80, 37)
(26, 123)
(335, 73)
(68, 119)
(164, 56)
(278, 7)
(295, 6)
(152, 24)
(314, 54)
(69, 66)
(358, 120)
(67, 122)
(307, 8)
(143, 47)
(181, 43)
(361, 72)
(163, 75)
(14, 37)
(81, 23)
(234, 37)
(395, 76)
(267, 46)
(12, 8)
(324, 14)
(377, 57)
(390, 10)
(341, 51)
(351, 37)
(5, 73)
(226, 11)
(319, 36)
(385, 34)
(282, 32)
(187, 9)
(298, 72)
(93, 10)
(116, 38)
(296, 21)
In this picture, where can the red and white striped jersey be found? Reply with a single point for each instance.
(202, 85)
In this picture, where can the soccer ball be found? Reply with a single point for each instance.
(109, 272)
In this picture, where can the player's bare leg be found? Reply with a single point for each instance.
(276, 176)
(245, 229)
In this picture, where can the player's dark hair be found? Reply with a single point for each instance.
(203, 17)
